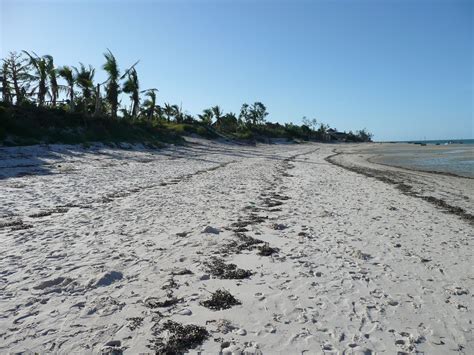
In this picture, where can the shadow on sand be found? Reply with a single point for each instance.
(47, 159)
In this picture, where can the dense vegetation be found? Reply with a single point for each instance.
(42, 102)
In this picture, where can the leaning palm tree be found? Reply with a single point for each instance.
(132, 87)
(112, 88)
(85, 80)
(149, 104)
(40, 64)
(67, 74)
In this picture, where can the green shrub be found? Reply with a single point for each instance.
(27, 124)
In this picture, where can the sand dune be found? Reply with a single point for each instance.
(102, 247)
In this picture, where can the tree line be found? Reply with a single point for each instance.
(30, 79)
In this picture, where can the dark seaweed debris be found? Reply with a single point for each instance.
(11, 223)
(218, 268)
(180, 338)
(247, 242)
(153, 302)
(49, 212)
(250, 220)
(241, 230)
(221, 299)
(272, 203)
(134, 323)
(278, 226)
(15, 225)
(22, 226)
(243, 242)
(179, 272)
(277, 196)
(170, 284)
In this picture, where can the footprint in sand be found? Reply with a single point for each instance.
(327, 347)
(269, 328)
(240, 331)
(392, 303)
(302, 318)
(185, 312)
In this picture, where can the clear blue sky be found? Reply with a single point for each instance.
(403, 69)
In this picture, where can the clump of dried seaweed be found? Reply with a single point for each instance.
(221, 299)
(134, 322)
(218, 268)
(175, 338)
(243, 242)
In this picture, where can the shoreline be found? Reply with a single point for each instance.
(391, 177)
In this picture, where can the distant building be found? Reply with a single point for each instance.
(337, 136)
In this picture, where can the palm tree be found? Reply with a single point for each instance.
(257, 113)
(168, 111)
(112, 89)
(85, 80)
(98, 101)
(40, 64)
(132, 87)
(149, 104)
(217, 112)
(159, 112)
(227, 123)
(53, 79)
(188, 118)
(206, 116)
(67, 74)
(178, 113)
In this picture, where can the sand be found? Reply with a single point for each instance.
(101, 247)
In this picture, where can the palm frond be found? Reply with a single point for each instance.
(129, 70)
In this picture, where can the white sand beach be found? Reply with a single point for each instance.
(100, 247)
